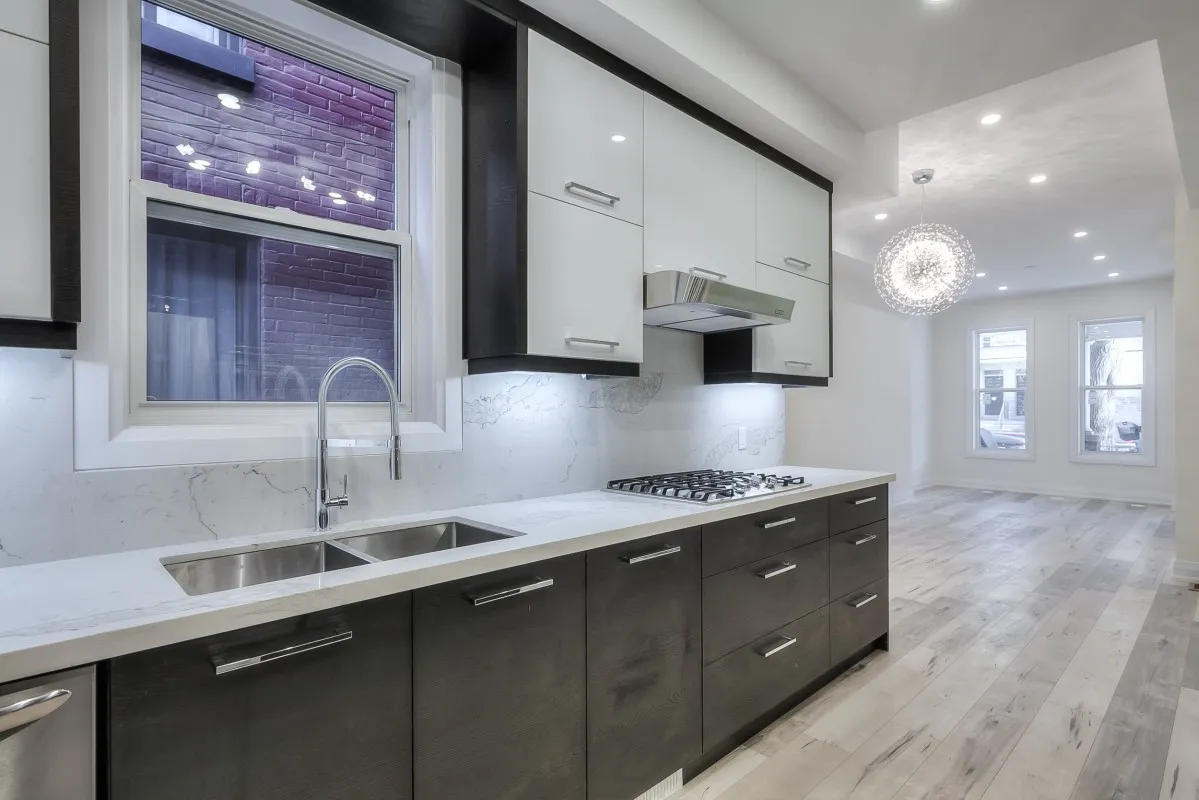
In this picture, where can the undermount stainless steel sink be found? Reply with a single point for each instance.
(216, 574)
(404, 542)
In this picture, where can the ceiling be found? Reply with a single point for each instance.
(1100, 132)
(885, 61)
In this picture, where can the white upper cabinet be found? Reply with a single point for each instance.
(28, 18)
(25, 175)
(699, 198)
(585, 133)
(584, 283)
(801, 346)
(793, 222)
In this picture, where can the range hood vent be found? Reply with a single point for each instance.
(686, 302)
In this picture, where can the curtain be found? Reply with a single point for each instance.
(201, 327)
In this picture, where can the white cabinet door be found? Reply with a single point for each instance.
(584, 283)
(585, 133)
(801, 346)
(793, 220)
(28, 18)
(25, 176)
(699, 198)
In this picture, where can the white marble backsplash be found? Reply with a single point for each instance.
(525, 435)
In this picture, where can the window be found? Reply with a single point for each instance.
(242, 306)
(1000, 396)
(1112, 405)
(258, 225)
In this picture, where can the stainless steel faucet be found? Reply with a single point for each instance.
(323, 501)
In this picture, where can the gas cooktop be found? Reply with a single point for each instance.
(708, 485)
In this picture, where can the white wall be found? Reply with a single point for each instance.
(1053, 374)
(524, 435)
(1186, 305)
(875, 412)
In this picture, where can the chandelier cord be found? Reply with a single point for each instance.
(923, 187)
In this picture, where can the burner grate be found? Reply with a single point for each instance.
(707, 485)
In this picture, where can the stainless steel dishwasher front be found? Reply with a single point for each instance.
(48, 737)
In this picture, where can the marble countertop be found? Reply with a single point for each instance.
(62, 614)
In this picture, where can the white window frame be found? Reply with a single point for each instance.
(1148, 455)
(976, 390)
(115, 429)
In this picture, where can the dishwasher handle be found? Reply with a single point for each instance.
(24, 713)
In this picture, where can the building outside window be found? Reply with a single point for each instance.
(1111, 414)
(1002, 402)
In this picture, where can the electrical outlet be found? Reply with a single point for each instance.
(742, 438)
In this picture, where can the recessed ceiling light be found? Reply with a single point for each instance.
(1003, 288)
(185, 149)
(980, 274)
(880, 217)
(254, 167)
(339, 201)
(1113, 274)
(618, 137)
(991, 119)
(200, 164)
(229, 100)
(1100, 257)
(308, 183)
(1038, 179)
(366, 197)
(1079, 234)
(335, 195)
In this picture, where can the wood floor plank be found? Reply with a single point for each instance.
(718, 779)
(879, 768)
(1190, 671)
(963, 766)
(794, 772)
(1108, 576)
(1046, 761)
(1129, 756)
(1181, 778)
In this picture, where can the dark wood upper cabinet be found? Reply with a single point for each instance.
(331, 721)
(499, 679)
(643, 663)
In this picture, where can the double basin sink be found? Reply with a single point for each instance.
(219, 573)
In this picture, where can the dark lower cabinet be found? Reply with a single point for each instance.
(310, 708)
(858, 619)
(643, 663)
(499, 681)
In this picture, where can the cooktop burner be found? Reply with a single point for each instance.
(709, 485)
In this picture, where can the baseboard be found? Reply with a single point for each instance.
(1085, 492)
(1186, 571)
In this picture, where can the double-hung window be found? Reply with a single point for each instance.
(1002, 396)
(1113, 398)
(258, 172)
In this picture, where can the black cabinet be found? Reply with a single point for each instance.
(231, 717)
(733, 542)
(499, 680)
(858, 619)
(857, 557)
(643, 663)
(855, 509)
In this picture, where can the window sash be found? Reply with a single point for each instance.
(977, 367)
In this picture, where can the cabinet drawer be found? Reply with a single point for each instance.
(858, 619)
(750, 601)
(734, 542)
(855, 509)
(320, 723)
(747, 683)
(857, 557)
(643, 663)
(499, 685)
(575, 108)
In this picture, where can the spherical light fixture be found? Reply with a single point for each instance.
(926, 268)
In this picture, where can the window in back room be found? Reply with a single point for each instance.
(276, 247)
(1002, 405)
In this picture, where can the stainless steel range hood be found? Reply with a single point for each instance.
(688, 302)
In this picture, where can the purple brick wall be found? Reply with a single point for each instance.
(301, 119)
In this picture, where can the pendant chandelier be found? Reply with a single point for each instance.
(926, 268)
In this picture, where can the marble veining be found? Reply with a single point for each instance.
(524, 436)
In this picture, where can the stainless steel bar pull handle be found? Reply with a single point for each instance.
(588, 193)
(870, 537)
(26, 712)
(572, 341)
(717, 275)
(231, 662)
(668, 550)
(861, 601)
(796, 262)
(864, 500)
(780, 647)
(504, 594)
(774, 523)
(786, 566)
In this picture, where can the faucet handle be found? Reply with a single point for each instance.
(343, 500)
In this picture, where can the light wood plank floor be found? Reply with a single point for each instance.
(1040, 651)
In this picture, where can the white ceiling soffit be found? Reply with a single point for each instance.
(684, 45)
(1101, 131)
(1180, 63)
